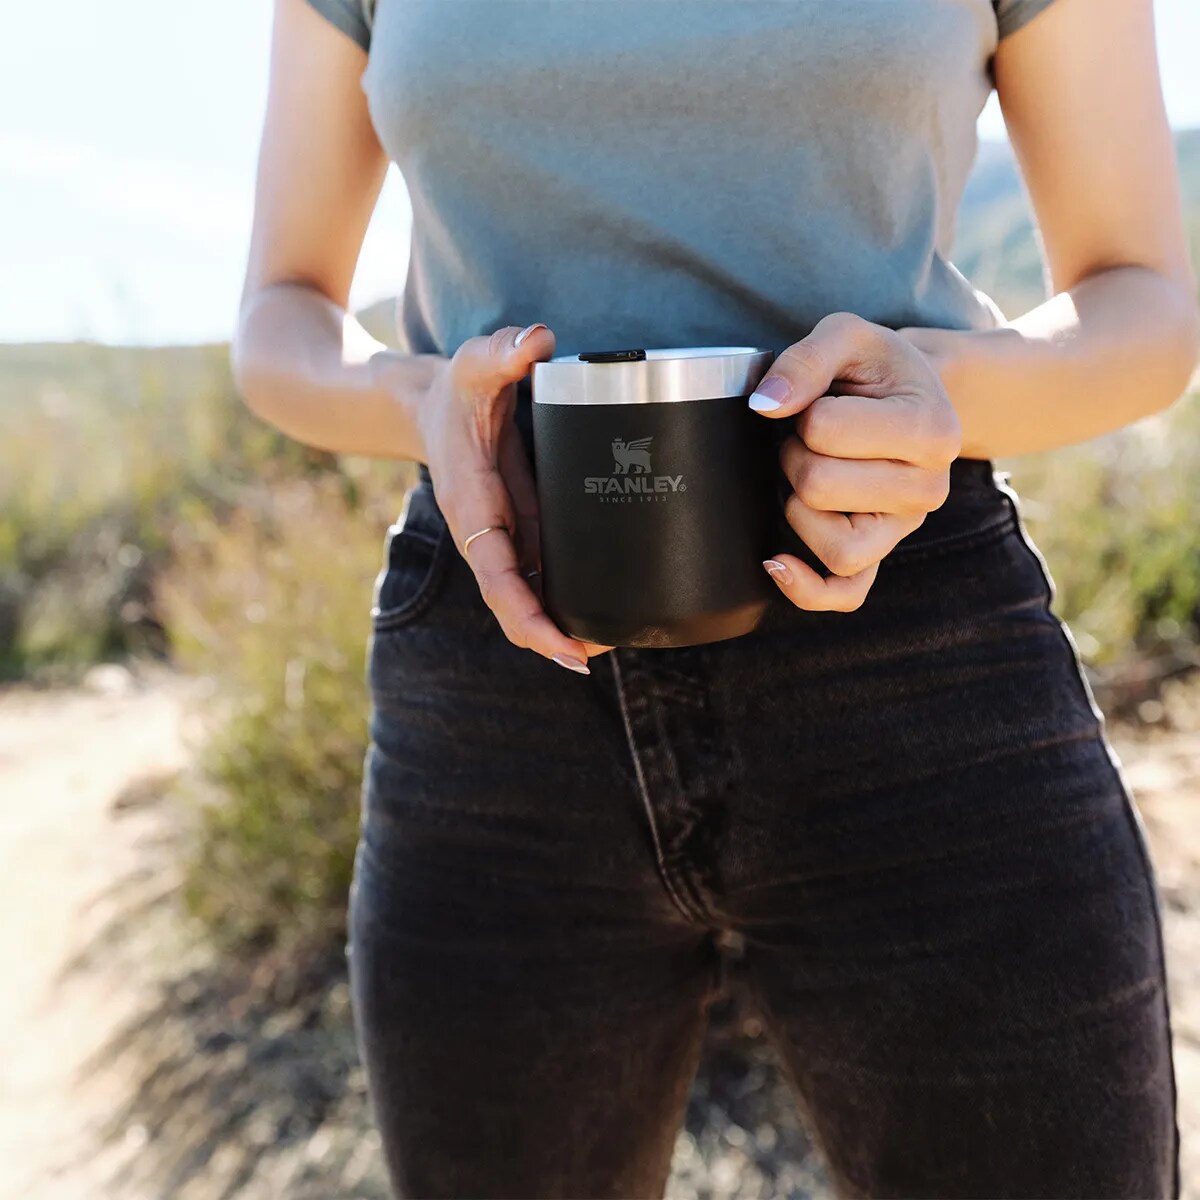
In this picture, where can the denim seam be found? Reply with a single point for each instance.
(426, 591)
(424, 535)
(676, 861)
(1132, 816)
(644, 792)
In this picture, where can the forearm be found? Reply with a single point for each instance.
(1119, 346)
(310, 369)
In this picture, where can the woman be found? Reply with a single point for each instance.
(898, 791)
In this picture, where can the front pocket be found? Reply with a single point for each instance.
(924, 549)
(416, 556)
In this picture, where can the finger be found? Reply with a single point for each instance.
(848, 543)
(896, 427)
(484, 365)
(507, 593)
(861, 485)
(485, 502)
(808, 590)
(841, 346)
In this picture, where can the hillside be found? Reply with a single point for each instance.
(996, 248)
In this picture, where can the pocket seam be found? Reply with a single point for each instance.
(430, 539)
(385, 620)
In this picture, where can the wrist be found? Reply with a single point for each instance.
(406, 381)
(961, 358)
(948, 351)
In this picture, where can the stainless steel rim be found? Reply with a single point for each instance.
(666, 376)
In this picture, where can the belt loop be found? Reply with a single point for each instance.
(977, 471)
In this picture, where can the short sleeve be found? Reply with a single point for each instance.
(352, 17)
(1012, 14)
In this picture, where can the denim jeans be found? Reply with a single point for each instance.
(910, 814)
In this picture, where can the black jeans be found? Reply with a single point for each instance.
(910, 813)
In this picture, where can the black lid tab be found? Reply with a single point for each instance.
(612, 356)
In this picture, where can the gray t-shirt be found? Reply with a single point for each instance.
(679, 172)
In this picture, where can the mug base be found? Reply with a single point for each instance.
(660, 635)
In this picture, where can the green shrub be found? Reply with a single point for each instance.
(1118, 520)
(274, 606)
(101, 451)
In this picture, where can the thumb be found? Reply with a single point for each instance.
(841, 346)
(487, 364)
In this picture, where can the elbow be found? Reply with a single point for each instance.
(252, 385)
(254, 382)
(1180, 348)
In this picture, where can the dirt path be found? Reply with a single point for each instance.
(65, 758)
(79, 772)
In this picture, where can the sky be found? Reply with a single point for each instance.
(128, 136)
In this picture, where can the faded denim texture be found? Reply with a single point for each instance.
(910, 813)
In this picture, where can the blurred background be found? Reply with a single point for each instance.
(183, 615)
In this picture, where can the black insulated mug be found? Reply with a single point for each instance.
(656, 488)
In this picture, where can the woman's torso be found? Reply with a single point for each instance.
(664, 173)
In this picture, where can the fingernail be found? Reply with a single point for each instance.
(572, 664)
(777, 571)
(526, 332)
(769, 395)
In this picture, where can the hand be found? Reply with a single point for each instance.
(875, 437)
(481, 477)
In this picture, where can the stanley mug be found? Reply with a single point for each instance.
(655, 488)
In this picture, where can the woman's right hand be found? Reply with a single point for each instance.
(481, 478)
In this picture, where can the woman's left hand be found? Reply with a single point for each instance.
(875, 434)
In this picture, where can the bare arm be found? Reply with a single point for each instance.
(309, 368)
(1080, 91)
(300, 360)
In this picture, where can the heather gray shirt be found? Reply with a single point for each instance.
(679, 172)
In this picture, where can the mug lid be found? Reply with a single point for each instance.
(637, 376)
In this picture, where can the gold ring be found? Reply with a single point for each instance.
(478, 534)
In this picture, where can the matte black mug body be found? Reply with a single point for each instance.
(655, 518)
